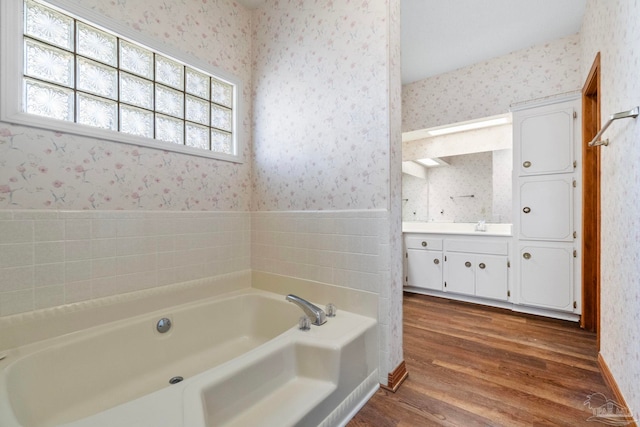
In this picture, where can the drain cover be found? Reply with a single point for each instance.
(175, 380)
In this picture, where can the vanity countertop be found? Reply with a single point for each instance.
(456, 228)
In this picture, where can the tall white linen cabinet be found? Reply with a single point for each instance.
(547, 181)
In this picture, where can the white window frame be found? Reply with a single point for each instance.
(11, 75)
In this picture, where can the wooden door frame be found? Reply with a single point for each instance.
(591, 123)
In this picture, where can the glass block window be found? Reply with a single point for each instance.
(76, 71)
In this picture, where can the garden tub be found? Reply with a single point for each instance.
(234, 359)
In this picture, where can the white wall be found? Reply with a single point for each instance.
(613, 28)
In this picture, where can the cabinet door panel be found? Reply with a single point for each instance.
(546, 208)
(546, 276)
(491, 276)
(424, 269)
(459, 273)
(545, 138)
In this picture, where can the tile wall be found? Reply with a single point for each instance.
(49, 258)
(343, 248)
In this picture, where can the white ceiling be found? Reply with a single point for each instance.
(443, 35)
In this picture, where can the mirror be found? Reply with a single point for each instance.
(470, 181)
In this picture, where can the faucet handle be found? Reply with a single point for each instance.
(331, 310)
(304, 323)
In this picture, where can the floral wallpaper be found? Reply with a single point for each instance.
(502, 186)
(613, 29)
(415, 198)
(321, 105)
(396, 275)
(489, 88)
(47, 170)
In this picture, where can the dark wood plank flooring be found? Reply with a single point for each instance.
(471, 365)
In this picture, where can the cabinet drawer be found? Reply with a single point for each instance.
(478, 246)
(423, 242)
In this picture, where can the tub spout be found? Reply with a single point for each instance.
(316, 314)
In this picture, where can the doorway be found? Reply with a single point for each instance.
(591, 96)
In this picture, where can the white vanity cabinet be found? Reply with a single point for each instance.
(470, 266)
(477, 267)
(424, 262)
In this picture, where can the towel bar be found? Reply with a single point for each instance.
(623, 115)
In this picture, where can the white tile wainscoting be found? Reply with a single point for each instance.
(50, 258)
(349, 249)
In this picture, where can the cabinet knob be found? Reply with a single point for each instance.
(436, 261)
(424, 244)
(467, 264)
(526, 209)
(527, 164)
(482, 265)
(526, 255)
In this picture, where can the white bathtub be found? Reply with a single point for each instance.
(243, 360)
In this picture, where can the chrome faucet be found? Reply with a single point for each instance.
(315, 313)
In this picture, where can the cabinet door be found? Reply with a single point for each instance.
(491, 276)
(544, 138)
(459, 273)
(546, 207)
(424, 269)
(546, 276)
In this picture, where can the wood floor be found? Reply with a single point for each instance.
(476, 366)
